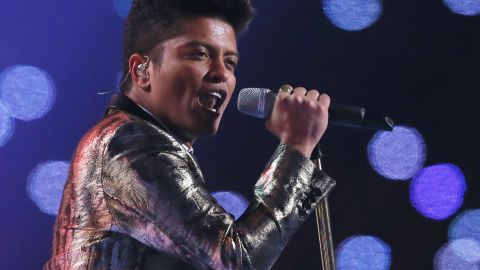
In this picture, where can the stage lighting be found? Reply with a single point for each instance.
(45, 185)
(232, 202)
(397, 155)
(464, 7)
(363, 253)
(352, 15)
(465, 225)
(26, 92)
(122, 7)
(7, 125)
(437, 191)
(458, 254)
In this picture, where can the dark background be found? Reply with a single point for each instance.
(419, 62)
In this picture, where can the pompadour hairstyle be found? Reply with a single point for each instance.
(150, 22)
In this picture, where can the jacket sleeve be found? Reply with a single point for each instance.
(155, 194)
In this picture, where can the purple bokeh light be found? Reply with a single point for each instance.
(232, 202)
(363, 253)
(397, 155)
(437, 191)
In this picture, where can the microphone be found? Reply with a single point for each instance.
(258, 102)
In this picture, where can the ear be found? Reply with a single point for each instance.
(139, 67)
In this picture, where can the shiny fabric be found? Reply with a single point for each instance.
(135, 199)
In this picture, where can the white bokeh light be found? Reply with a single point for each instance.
(45, 185)
(363, 252)
(26, 92)
(465, 225)
(7, 125)
(352, 15)
(464, 7)
(462, 254)
(397, 155)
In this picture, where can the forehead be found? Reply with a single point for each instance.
(212, 31)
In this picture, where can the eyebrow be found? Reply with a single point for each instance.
(210, 47)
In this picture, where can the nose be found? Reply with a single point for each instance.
(218, 72)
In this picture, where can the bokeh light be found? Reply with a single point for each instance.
(464, 7)
(459, 254)
(122, 7)
(232, 202)
(466, 225)
(352, 15)
(7, 125)
(437, 191)
(26, 92)
(397, 155)
(45, 185)
(363, 253)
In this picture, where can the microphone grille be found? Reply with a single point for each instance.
(255, 102)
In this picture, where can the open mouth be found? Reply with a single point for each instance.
(212, 100)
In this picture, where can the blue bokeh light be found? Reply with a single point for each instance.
(232, 202)
(45, 185)
(26, 92)
(437, 191)
(466, 225)
(397, 155)
(122, 7)
(363, 253)
(352, 15)
(458, 254)
(464, 7)
(7, 125)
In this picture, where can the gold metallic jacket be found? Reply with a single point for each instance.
(135, 199)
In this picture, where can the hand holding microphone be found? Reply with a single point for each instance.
(259, 102)
(299, 118)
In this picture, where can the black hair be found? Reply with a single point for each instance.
(150, 22)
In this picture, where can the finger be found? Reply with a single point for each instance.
(313, 95)
(284, 91)
(282, 95)
(324, 100)
(299, 91)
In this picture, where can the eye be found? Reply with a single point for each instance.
(231, 63)
(201, 54)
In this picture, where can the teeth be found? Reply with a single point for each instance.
(211, 109)
(211, 101)
(215, 94)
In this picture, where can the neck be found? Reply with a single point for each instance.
(140, 101)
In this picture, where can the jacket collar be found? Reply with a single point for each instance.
(124, 103)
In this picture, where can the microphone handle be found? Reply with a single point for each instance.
(352, 116)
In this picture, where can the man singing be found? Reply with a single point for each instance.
(135, 196)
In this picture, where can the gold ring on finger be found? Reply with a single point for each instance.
(286, 88)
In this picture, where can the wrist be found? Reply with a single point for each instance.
(305, 148)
